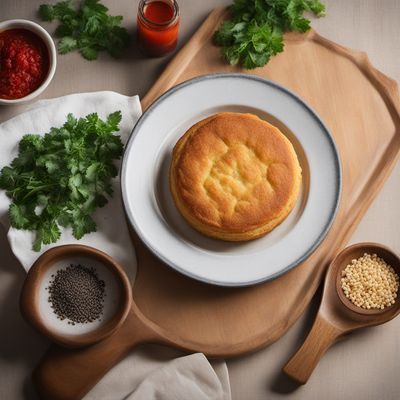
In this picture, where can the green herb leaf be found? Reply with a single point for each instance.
(8, 178)
(63, 30)
(114, 119)
(50, 232)
(61, 178)
(17, 215)
(67, 44)
(255, 31)
(89, 53)
(316, 7)
(83, 225)
(46, 12)
(88, 28)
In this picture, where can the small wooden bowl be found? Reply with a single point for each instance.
(356, 251)
(29, 300)
(337, 316)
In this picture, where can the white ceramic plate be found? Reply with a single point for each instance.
(150, 207)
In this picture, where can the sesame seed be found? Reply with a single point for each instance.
(370, 283)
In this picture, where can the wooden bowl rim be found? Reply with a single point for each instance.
(30, 290)
(370, 248)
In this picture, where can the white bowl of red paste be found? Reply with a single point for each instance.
(27, 61)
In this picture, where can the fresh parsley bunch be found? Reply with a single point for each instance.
(61, 178)
(89, 28)
(255, 32)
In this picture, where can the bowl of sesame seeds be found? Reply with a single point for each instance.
(361, 290)
(368, 278)
(76, 295)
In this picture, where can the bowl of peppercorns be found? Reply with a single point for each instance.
(76, 295)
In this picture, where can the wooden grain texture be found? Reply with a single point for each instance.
(30, 295)
(361, 107)
(337, 316)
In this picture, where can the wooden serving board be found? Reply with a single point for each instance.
(361, 107)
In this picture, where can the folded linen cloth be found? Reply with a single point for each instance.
(148, 373)
(161, 373)
(112, 234)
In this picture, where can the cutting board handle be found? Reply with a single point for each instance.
(322, 335)
(68, 374)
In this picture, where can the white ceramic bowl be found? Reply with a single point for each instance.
(43, 34)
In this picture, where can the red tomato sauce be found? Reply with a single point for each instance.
(24, 63)
(158, 12)
(158, 25)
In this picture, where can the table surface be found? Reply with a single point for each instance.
(365, 365)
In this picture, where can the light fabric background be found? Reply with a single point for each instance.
(140, 375)
(364, 366)
(112, 235)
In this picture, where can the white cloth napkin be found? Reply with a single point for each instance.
(161, 373)
(149, 373)
(112, 234)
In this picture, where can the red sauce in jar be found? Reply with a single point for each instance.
(158, 25)
(158, 12)
(24, 63)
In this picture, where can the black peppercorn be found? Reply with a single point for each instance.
(77, 294)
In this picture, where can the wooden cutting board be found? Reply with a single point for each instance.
(361, 106)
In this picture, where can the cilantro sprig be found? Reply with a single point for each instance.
(89, 28)
(61, 178)
(255, 31)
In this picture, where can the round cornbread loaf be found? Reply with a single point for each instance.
(234, 176)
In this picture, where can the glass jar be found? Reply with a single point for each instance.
(157, 26)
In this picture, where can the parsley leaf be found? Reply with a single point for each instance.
(46, 12)
(255, 31)
(83, 224)
(89, 28)
(67, 44)
(89, 53)
(17, 215)
(61, 178)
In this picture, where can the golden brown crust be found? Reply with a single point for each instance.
(234, 176)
